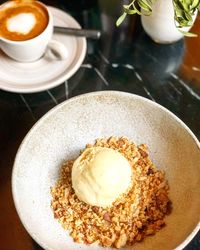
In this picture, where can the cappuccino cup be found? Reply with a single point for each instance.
(26, 29)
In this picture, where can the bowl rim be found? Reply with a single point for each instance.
(59, 106)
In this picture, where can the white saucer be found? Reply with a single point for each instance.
(44, 74)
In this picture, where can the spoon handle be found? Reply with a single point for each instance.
(94, 34)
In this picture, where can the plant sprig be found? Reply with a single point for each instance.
(184, 10)
(135, 8)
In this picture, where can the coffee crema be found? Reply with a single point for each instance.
(22, 20)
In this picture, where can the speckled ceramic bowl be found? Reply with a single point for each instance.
(67, 128)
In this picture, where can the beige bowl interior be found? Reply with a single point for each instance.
(66, 129)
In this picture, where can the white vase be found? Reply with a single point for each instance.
(160, 25)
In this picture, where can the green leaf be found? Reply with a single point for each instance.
(188, 17)
(121, 19)
(145, 6)
(136, 9)
(129, 11)
(195, 3)
(146, 2)
(185, 6)
(184, 11)
(179, 5)
(179, 12)
(188, 34)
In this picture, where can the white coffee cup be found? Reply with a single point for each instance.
(33, 49)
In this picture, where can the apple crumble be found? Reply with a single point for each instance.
(132, 217)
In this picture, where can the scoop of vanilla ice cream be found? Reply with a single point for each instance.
(100, 175)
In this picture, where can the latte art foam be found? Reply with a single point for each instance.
(20, 21)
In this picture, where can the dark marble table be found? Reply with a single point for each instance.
(123, 59)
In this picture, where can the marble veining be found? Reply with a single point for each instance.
(186, 86)
(52, 97)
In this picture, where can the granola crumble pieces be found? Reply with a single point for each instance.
(138, 213)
